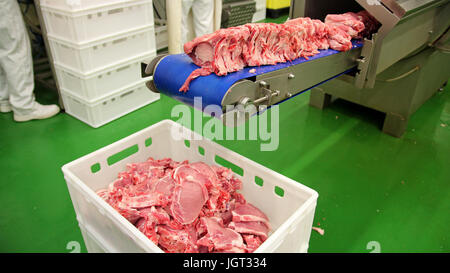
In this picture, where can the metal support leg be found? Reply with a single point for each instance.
(395, 124)
(319, 99)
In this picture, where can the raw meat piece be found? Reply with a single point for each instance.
(165, 186)
(144, 200)
(218, 52)
(148, 227)
(187, 173)
(226, 216)
(350, 22)
(213, 184)
(239, 198)
(319, 230)
(357, 25)
(204, 71)
(123, 181)
(228, 182)
(207, 171)
(255, 228)
(104, 194)
(188, 200)
(370, 23)
(130, 214)
(252, 242)
(218, 237)
(232, 49)
(248, 213)
(176, 241)
(258, 50)
(155, 215)
(338, 38)
(189, 195)
(184, 207)
(174, 224)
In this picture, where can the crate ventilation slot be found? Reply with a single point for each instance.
(95, 167)
(122, 155)
(227, 164)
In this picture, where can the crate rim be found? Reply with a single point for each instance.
(106, 68)
(97, 8)
(113, 93)
(148, 244)
(103, 39)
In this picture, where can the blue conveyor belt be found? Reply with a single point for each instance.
(173, 70)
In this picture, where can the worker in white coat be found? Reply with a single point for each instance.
(203, 15)
(16, 68)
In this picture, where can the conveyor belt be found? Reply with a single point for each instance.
(172, 71)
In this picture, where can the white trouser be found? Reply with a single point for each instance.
(16, 63)
(203, 13)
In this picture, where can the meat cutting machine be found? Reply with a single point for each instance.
(394, 71)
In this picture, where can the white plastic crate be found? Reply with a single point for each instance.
(108, 108)
(104, 229)
(86, 25)
(259, 15)
(103, 82)
(89, 57)
(161, 37)
(91, 241)
(74, 5)
(260, 4)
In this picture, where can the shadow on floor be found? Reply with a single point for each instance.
(362, 113)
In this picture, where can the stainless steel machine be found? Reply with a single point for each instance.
(400, 67)
(395, 71)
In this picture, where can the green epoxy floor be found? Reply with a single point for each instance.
(372, 187)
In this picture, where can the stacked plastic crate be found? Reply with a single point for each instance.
(260, 13)
(97, 48)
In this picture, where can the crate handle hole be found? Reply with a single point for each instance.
(122, 154)
(201, 150)
(148, 142)
(127, 93)
(259, 181)
(95, 168)
(279, 191)
(119, 40)
(227, 164)
(115, 11)
(122, 68)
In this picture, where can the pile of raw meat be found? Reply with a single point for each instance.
(232, 49)
(187, 208)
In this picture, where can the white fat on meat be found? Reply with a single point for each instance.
(248, 213)
(204, 52)
(218, 237)
(255, 228)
